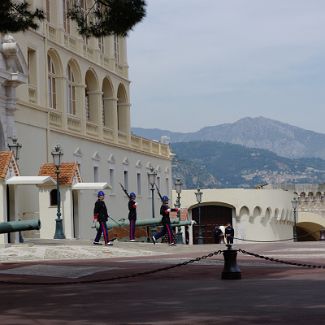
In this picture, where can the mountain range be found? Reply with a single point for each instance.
(247, 153)
(283, 139)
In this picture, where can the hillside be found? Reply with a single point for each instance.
(283, 139)
(212, 164)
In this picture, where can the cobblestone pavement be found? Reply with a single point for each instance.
(73, 282)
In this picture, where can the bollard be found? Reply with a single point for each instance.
(322, 234)
(231, 270)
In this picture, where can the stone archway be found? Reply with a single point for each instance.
(210, 216)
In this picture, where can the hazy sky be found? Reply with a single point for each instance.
(197, 63)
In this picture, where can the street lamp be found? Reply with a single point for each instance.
(57, 154)
(152, 174)
(15, 147)
(152, 180)
(178, 188)
(198, 195)
(294, 206)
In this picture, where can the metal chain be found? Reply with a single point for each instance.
(120, 277)
(281, 261)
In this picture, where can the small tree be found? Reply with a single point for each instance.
(16, 17)
(103, 18)
(108, 17)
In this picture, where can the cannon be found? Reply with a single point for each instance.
(147, 222)
(21, 225)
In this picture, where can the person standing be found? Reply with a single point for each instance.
(166, 229)
(132, 215)
(101, 215)
(229, 233)
(218, 234)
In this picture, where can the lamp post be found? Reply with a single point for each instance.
(152, 174)
(57, 154)
(198, 195)
(178, 188)
(15, 147)
(294, 206)
(152, 180)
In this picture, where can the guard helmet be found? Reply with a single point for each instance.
(132, 195)
(100, 193)
(164, 199)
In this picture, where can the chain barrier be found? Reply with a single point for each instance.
(120, 277)
(272, 259)
(278, 240)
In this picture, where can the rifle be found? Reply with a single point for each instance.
(125, 191)
(158, 192)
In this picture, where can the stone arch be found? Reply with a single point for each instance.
(244, 211)
(267, 216)
(310, 197)
(208, 215)
(318, 197)
(122, 109)
(91, 96)
(281, 216)
(108, 103)
(256, 213)
(268, 212)
(301, 197)
(276, 213)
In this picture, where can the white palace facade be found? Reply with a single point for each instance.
(58, 88)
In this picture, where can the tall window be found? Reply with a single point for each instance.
(111, 179)
(71, 92)
(66, 20)
(116, 49)
(51, 82)
(48, 10)
(96, 175)
(32, 75)
(167, 185)
(126, 179)
(101, 44)
(138, 183)
(32, 80)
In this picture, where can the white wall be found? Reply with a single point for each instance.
(262, 220)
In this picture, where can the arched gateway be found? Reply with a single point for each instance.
(207, 216)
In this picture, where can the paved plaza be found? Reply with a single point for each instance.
(73, 282)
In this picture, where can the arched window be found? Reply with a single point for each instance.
(51, 83)
(54, 197)
(71, 92)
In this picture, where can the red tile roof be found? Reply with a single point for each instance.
(68, 171)
(7, 160)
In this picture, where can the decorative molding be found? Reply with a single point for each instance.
(111, 159)
(96, 156)
(77, 152)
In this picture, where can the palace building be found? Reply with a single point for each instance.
(58, 88)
